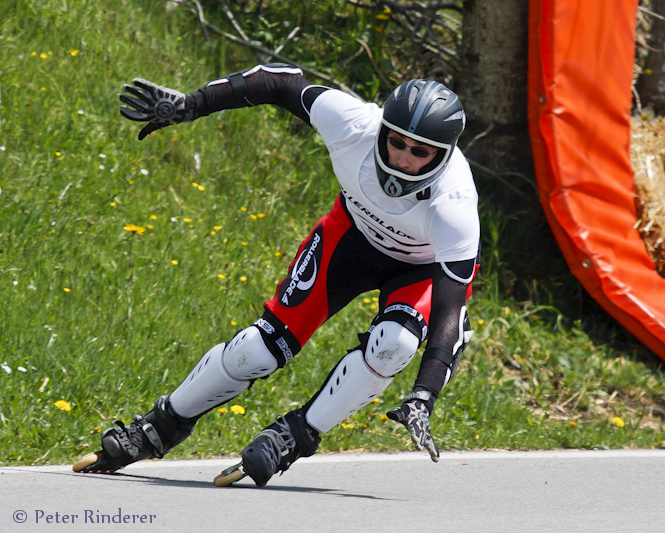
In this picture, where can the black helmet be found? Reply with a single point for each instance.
(427, 112)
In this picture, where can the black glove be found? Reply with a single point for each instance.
(414, 414)
(157, 105)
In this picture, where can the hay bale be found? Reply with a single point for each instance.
(648, 159)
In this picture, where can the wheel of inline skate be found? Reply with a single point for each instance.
(87, 461)
(230, 476)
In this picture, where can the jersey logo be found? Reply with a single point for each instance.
(302, 276)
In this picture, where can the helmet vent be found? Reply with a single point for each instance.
(413, 95)
(436, 105)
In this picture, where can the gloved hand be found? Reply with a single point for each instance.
(414, 414)
(157, 105)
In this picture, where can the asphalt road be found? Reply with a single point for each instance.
(562, 491)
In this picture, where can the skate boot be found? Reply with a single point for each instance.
(278, 446)
(147, 437)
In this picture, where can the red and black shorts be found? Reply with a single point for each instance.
(333, 266)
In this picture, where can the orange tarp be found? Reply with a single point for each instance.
(581, 56)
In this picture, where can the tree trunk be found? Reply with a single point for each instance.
(647, 85)
(493, 83)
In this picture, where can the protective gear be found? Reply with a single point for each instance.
(427, 112)
(147, 437)
(362, 375)
(414, 414)
(157, 105)
(277, 447)
(223, 373)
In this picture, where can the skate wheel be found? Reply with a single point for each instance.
(87, 461)
(227, 477)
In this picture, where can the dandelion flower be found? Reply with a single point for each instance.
(195, 185)
(277, 254)
(43, 55)
(174, 262)
(221, 276)
(201, 188)
(348, 426)
(243, 278)
(481, 322)
(238, 409)
(217, 228)
(572, 423)
(260, 215)
(222, 410)
(243, 209)
(153, 217)
(253, 217)
(376, 400)
(67, 289)
(245, 243)
(187, 220)
(234, 323)
(618, 422)
(113, 204)
(133, 228)
(73, 53)
(63, 405)
(58, 154)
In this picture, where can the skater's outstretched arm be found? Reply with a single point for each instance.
(278, 84)
(446, 341)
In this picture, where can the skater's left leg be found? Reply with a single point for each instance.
(362, 375)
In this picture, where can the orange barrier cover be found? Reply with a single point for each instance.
(581, 56)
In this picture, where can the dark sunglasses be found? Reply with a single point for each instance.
(416, 151)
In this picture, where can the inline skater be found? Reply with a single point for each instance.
(405, 222)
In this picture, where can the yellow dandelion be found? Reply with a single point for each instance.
(221, 276)
(253, 217)
(277, 254)
(63, 405)
(237, 409)
(67, 289)
(348, 426)
(222, 410)
(572, 423)
(213, 232)
(153, 217)
(43, 55)
(217, 228)
(245, 243)
(243, 209)
(376, 400)
(201, 188)
(375, 299)
(379, 29)
(373, 306)
(367, 300)
(618, 422)
(195, 184)
(96, 429)
(113, 204)
(58, 154)
(133, 228)
(150, 226)
(243, 278)
(481, 322)
(234, 323)
(174, 262)
(187, 220)
(33, 54)
(260, 215)
(383, 16)
(73, 53)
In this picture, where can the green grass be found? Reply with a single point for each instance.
(103, 319)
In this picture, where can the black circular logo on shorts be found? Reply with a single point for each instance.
(302, 276)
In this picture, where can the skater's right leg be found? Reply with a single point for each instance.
(223, 373)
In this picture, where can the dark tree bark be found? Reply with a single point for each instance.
(493, 83)
(647, 85)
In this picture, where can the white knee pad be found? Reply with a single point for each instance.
(223, 373)
(207, 386)
(351, 386)
(248, 357)
(390, 348)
